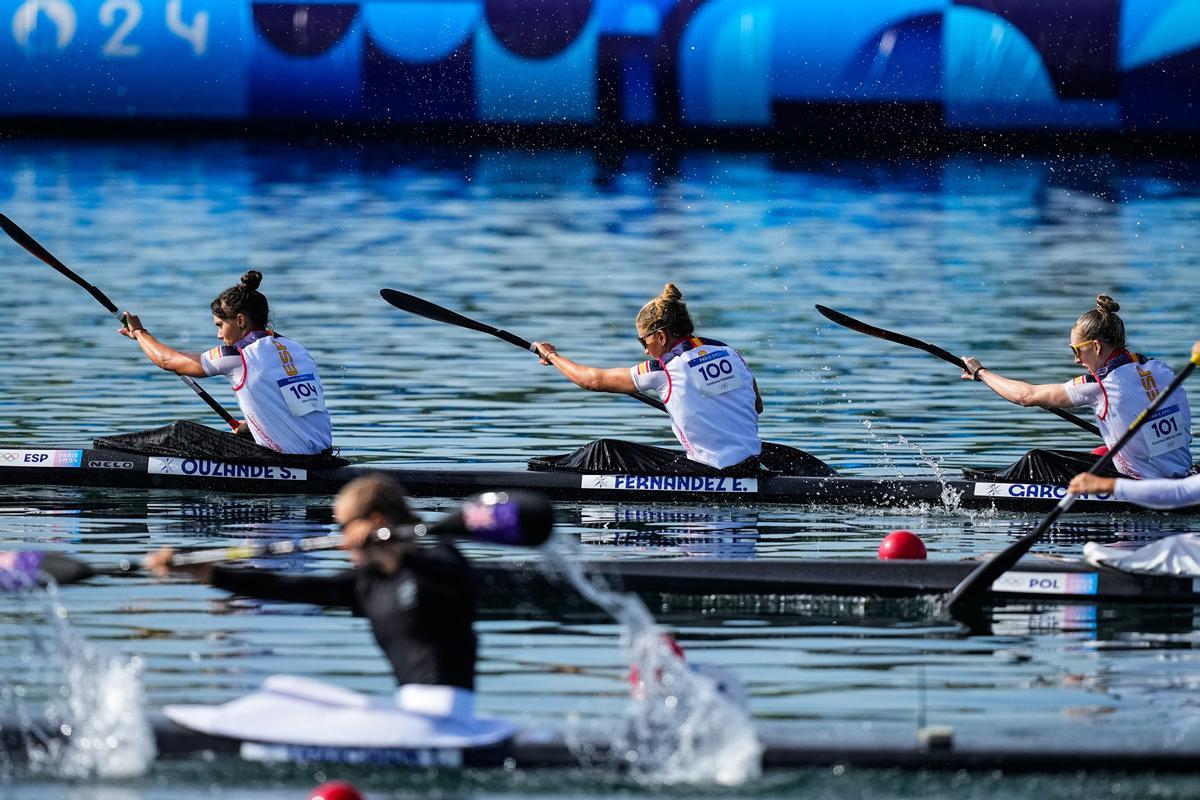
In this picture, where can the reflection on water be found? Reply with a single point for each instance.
(993, 258)
(681, 531)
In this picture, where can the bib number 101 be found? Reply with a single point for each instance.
(1166, 433)
(1165, 427)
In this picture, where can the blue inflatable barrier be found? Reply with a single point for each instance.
(1106, 65)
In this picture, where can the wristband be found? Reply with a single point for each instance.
(975, 374)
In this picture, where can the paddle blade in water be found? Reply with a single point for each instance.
(510, 518)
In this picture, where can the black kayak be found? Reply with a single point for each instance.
(790, 746)
(508, 582)
(99, 467)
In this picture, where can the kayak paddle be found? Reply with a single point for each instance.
(509, 518)
(424, 308)
(18, 235)
(986, 573)
(899, 338)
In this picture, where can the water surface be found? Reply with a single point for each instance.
(995, 258)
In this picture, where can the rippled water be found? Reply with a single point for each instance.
(995, 257)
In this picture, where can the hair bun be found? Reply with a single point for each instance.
(671, 292)
(1106, 304)
(252, 279)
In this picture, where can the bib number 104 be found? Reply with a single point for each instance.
(302, 394)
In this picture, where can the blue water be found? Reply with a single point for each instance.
(989, 256)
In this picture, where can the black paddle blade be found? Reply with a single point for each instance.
(511, 518)
(424, 308)
(982, 577)
(18, 235)
(879, 333)
(933, 350)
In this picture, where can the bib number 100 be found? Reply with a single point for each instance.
(715, 370)
(716, 376)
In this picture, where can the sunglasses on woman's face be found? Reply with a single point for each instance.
(1075, 348)
(642, 339)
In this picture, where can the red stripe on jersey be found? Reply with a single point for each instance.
(245, 370)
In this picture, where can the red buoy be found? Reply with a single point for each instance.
(902, 544)
(335, 790)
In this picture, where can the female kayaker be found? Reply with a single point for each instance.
(1162, 493)
(1118, 386)
(420, 601)
(274, 379)
(705, 384)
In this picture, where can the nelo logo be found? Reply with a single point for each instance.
(110, 464)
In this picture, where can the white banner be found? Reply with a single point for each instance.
(198, 468)
(1047, 583)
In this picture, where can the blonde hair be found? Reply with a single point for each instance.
(381, 493)
(1102, 322)
(666, 312)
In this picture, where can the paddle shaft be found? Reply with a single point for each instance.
(986, 573)
(899, 338)
(494, 517)
(65, 569)
(424, 308)
(507, 518)
(18, 235)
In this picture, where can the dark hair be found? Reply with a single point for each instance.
(1102, 322)
(243, 299)
(666, 312)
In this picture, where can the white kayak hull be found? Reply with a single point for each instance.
(290, 715)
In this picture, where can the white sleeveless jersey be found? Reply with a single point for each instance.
(1122, 389)
(278, 390)
(709, 392)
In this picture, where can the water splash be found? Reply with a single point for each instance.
(951, 498)
(882, 450)
(684, 724)
(79, 709)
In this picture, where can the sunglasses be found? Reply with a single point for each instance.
(1075, 348)
(642, 339)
